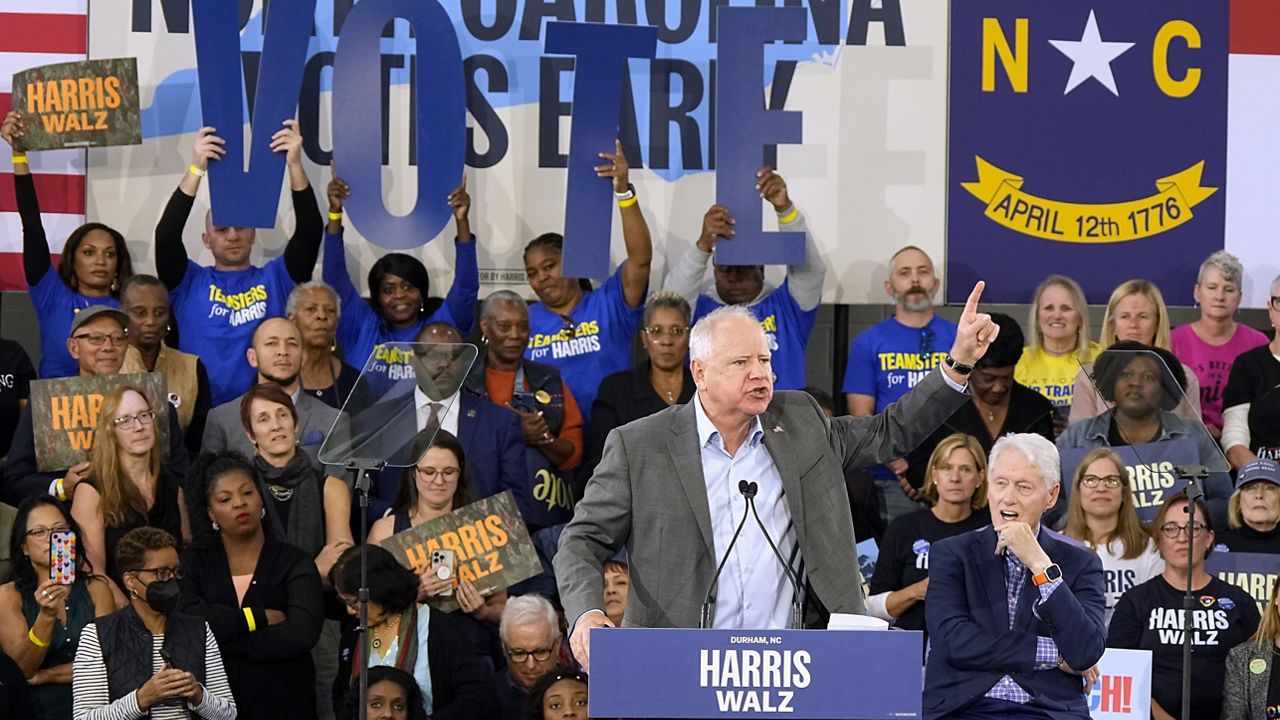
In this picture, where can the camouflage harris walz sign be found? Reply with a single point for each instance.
(491, 546)
(89, 103)
(64, 414)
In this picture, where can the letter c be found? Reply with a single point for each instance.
(1160, 58)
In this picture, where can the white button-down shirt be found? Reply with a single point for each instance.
(448, 410)
(754, 591)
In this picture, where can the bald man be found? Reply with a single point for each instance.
(276, 353)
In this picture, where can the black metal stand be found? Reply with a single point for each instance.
(360, 471)
(1193, 474)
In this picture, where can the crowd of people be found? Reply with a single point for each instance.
(217, 567)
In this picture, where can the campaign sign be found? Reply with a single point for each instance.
(747, 673)
(64, 414)
(1086, 137)
(1123, 689)
(89, 103)
(491, 546)
(1151, 471)
(1255, 572)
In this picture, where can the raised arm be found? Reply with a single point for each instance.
(461, 299)
(35, 244)
(804, 281)
(356, 313)
(303, 249)
(635, 231)
(171, 253)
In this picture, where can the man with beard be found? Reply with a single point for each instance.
(889, 359)
(786, 312)
(276, 353)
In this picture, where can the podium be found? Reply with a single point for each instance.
(643, 673)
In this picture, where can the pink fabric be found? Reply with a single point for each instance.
(1212, 364)
(242, 583)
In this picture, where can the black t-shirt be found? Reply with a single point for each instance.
(1149, 617)
(16, 374)
(1246, 539)
(904, 554)
(1273, 688)
(1255, 379)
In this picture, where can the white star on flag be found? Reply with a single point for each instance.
(1091, 57)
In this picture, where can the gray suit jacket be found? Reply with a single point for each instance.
(224, 431)
(648, 494)
(1244, 693)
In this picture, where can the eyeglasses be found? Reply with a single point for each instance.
(99, 339)
(926, 341)
(518, 655)
(431, 473)
(1111, 481)
(163, 574)
(42, 533)
(658, 331)
(146, 417)
(1173, 530)
(1275, 303)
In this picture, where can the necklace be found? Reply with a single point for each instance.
(377, 630)
(281, 493)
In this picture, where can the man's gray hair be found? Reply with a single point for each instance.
(1038, 451)
(499, 296)
(1227, 264)
(700, 340)
(291, 305)
(526, 610)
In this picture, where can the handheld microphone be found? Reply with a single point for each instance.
(749, 490)
(704, 617)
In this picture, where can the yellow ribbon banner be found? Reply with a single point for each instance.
(1009, 206)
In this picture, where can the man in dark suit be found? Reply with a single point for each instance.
(667, 489)
(1014, 613)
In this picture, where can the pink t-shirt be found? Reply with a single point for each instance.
(1212, 364)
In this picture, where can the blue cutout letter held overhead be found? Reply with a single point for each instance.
(601, 53)
(744, 128)
(249, 199)
(440, 115)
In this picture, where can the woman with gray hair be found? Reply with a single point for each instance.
(1211, 344)
(661, 380)
(314, 308)
(1251, 402)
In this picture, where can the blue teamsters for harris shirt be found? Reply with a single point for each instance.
(361, 329)
(56, 306)
(787, 328)
(599, 344)
(217, 312)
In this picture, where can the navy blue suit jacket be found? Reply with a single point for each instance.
(972, 645)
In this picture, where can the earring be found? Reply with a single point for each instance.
(484, 339)
(168, 329)
(133, 594)
(215, 525)
(264, 513)
(115, 284)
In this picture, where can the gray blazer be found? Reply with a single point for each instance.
(648, 494)
(224, 431)
(1244, 694)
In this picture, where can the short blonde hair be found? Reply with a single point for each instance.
(1148, 290)
(939, 457)
(1235, 517)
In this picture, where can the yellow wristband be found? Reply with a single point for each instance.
(335, 215)
(20, 159)
(60, 489)
(31, 635)
(790, 215)
(248, 619)
(196, 171)
(628, 202)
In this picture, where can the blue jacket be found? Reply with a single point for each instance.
(971, 643)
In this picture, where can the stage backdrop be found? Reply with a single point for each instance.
(870, 80)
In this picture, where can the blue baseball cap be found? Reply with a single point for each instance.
(1262, 469)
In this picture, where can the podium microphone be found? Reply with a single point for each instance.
(704, 617)
(748, 490)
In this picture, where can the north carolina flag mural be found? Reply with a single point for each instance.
(34, 33)
(1087, 137)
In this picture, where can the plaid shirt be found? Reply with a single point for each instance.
(1015, 576)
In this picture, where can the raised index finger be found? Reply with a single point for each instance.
(971, 305)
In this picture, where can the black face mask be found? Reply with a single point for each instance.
(163, 596)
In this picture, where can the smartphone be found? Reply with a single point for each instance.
(524, 401)
(62, 557)
(442, 563)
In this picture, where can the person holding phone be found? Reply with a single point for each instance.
(147, 659)
(40, 618)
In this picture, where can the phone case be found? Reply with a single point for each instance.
(62, 557)
(443, 559)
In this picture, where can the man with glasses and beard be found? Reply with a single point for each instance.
(889, 358)
(276, 353)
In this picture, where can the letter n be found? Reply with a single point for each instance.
(994, 43)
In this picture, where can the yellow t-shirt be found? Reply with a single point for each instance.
(1052, 377)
